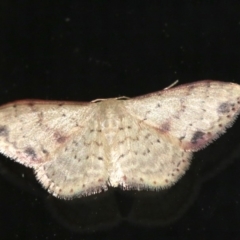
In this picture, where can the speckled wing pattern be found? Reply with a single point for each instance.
(53, 139)
(146, 142)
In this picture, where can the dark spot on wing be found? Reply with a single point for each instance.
(147, 136)
(30, 152)
(60, 138)
(31, 104)
(45, 151)
(224, 108)
(165, 127)
(196, 136)
(75, 143)
(3, 131)
(181, 138)
(158, 105)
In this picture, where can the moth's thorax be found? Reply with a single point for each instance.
(111, 114)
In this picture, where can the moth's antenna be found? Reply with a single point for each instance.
(170, 86)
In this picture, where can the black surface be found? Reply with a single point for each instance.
(83, 50)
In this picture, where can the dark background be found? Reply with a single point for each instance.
(83, 50)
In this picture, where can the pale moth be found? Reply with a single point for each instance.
(78, 149)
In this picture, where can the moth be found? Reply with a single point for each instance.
(146, 142)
